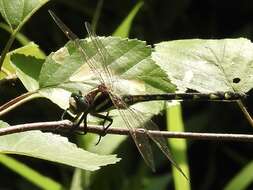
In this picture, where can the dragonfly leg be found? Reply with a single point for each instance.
(105, 118)
(109, 119)
(64, 113)
(77, 122)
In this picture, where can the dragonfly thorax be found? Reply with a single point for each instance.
(78, 103)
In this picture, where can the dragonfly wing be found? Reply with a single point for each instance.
(141, 140)
(103, 56)
(159, 140)
(73, 37)
(136, 119)
(63, 27)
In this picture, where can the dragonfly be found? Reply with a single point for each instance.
(105, 97)
(93, 102)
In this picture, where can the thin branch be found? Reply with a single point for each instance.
(5, 108)
(245, 112)
(66, 125)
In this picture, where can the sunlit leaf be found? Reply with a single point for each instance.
(30, 49)
(17, 12)
(207, 65)
(66, 71)
(28, 69)
(54, 148)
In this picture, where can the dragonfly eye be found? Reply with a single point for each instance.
(78, 103)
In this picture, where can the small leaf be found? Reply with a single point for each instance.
(54, 148)
(28, 69)
(207, 65)
(125, 26)
(17, 12)
(30, 49)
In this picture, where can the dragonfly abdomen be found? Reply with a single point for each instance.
(217, 96)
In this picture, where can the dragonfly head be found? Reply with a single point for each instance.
(78, 103)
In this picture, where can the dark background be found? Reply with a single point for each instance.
(212, 164)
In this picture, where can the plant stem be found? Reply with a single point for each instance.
(245, 112)
(66, 125)
(17, 102)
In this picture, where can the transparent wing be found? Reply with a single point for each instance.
(103, 56)
(134, 118)
(160, 141)
(141, 140)
(63, 27)
(93, 64)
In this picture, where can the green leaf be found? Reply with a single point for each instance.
(66, 71)
(28, 69)
(28, 173)
(207, 65)
(53, 148)
(30, 49)
(124, 28)
(130, 60)
(17, 12)
(242, 179)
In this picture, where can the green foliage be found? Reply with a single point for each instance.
(29, 49)
(202, 65)
(45, 145)
(190, 64)
(16, 12)
(65, 71)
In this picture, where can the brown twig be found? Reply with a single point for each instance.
(67, 125)
(245, 112)
(5, 108)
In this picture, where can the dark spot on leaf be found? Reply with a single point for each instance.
(236, 80)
